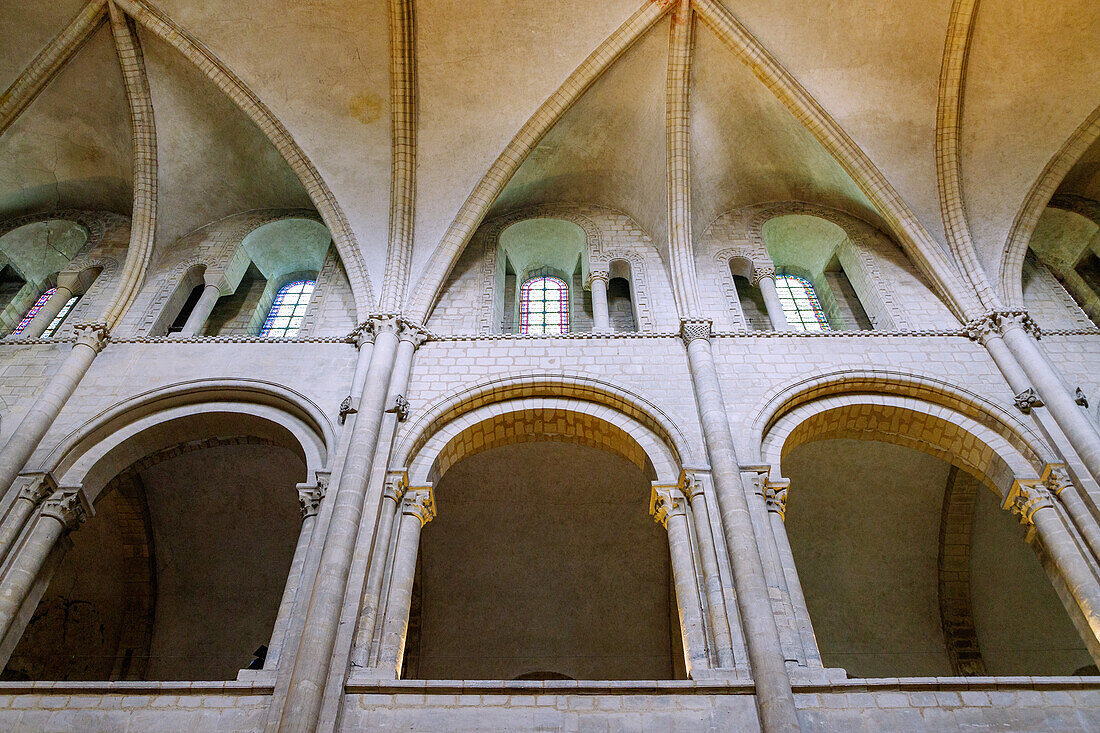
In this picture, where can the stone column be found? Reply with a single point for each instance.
(597, 282)
(1034, 504)
(712, 578)
(396, 486)
(309, 499)
(1017, 329)
(1057, 480)
(775, 495)
(196, 320)
(764, 278)
(668, 507)
(91, 339)
(774, 698)
(304, 689)
(417, 509)
(49, 310)
(36, 489)
(61, 513)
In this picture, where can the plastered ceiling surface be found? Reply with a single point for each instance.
(482, 70)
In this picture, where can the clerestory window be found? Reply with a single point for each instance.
(800, 304)
(544, 306)
(57, 320)
(288, 310)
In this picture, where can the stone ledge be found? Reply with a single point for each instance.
(945, 684)
(368, 685)
(151, 688)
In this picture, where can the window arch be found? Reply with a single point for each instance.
(57, 320)
(544, 306)
(800, 303)
(288, 310)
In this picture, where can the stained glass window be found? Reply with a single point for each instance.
(33, 311)
(288, 309)
(800, 304)
(544, 306)
(57, 320)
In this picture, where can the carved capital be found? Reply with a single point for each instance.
(695, 328)
(1027, 399)
(361, 335)
(383, 323)
(400, 408)
(597, 275)
(775, 497)
(997, 322)
(666, 502)
(93, 335)
(1026, 498)
(1056, 478)
(310, 497)
(690, 485)
(419, 503)
(397, 483)
(37, 488)
(69, 506)
(346, 409)
(759, 272)
(414, 333)
(1080, 398)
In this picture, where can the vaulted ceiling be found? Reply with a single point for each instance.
(482, 69)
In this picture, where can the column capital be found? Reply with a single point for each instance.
(600, 274)
(759, 272)
(414, 333)
(69, 506)
(37, 487)
(419, 502)
(695, 328)
(361, 335)
(383, 322)
(690, 484)
(1056, 478)
(1027, 497)
(310, 497)
(397, 483)
(92, 335)
(1027, 399)
(998, 321)
(666, 502)
(775, 496)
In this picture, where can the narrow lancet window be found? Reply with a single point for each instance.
(288, 309)
(33, 311)
(544, 306)
(800, 304)
(60, 317)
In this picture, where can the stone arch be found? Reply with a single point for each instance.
(542, 418)
(218, 250)
(100, 286)
(587, 391)
(1037, 199)
(937, 396)
(860, 233)
(488, 237)
(118, 436)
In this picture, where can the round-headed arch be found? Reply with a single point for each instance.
(188, 412)
(905, 409)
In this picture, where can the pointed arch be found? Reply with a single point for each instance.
(1023, 226)
(956, 51)
(476, 206)
(915, 239)
(319, 193)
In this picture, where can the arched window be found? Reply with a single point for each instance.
(800, 304)
(55, 323)
(544, 306)
(288, 310)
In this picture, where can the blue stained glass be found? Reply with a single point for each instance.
(33, 311)
(288, 310)
(800, 304)
(544, 306)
